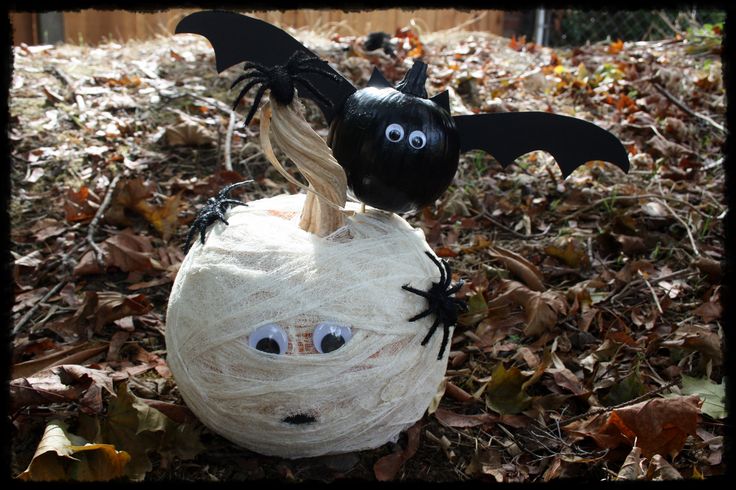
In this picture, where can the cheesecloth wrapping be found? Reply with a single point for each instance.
(263, 268)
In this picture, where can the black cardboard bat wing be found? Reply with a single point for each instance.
(399, 148)
(571, 141)
(237, 38)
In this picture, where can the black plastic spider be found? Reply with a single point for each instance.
(282, 80)
(440, 302)
(214, 209)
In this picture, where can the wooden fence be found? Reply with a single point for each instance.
(95, 26)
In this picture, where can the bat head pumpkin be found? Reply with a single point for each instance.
(399, 149)
(372, 128)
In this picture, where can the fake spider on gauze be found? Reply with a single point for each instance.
(360, 395)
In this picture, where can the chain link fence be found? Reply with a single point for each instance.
(576, 27)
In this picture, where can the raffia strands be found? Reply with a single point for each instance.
(263, 268)
(324, 208)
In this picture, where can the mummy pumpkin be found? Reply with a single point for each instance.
(296, 345)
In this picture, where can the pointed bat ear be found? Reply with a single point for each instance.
(378, 80)
(442, 99)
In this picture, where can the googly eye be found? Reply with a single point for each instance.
(394, 132)
(269, 338)
(417, 139)
(330, 336)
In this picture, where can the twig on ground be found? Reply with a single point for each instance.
(638, 282)
(599, 411)
(229, 141)
(682, 222)
(685, 108)
(487, 216)
(99, 253)
(21, 323)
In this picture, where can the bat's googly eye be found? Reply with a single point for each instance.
(417, 139)
(330, 336)
(269, 338)
(394, 133)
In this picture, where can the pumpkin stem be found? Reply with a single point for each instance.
(324, 208)
(414, 80)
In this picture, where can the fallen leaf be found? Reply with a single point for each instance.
(112, 306)
(67, 383)
(78, 205)
(188, 133)
(164, 218)
(125, 250)
(713, 395)
(713, 268)
(62, 455)
(660, 470)
(75, 354)
(135, 426)
(658, 426)
(505, 391)
(387, 467)
(627, 389)
(520, 267)
(571, 253)
(449, 418)
(632, 468)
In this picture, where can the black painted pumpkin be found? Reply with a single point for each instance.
(399, 149)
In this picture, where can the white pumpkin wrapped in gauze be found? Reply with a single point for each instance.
(263, 269)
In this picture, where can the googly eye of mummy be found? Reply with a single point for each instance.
(394, 132)
(417, 139)
(269, 338)
(330, 336)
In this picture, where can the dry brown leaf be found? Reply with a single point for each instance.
(63, 456)
(78, 205)
(112, 306)
(713, 268)
(659, 470)
(67, 383)
(520, 267)
(164, 218)
(658, 426)
(75, 354)
(632, 467)
(388, 466)
(449, 418)
(570, 252)
(188, 133)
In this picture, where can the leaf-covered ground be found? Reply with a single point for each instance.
(593, 343)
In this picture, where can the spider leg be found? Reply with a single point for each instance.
(432, 330)
(253, 65)
(455, 288)
(225, 190)
(421, 293)
(190, 235)
(426, 312)
(312, 89)
(439, 266)
(233, 202)
(247, 87)
(256, 101)
(246, 75)
(202, 232)
(445, 338)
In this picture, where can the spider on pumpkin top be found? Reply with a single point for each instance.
(282, 80)
(214, 209)
(441, 303)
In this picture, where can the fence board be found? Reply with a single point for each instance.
(94, 26)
